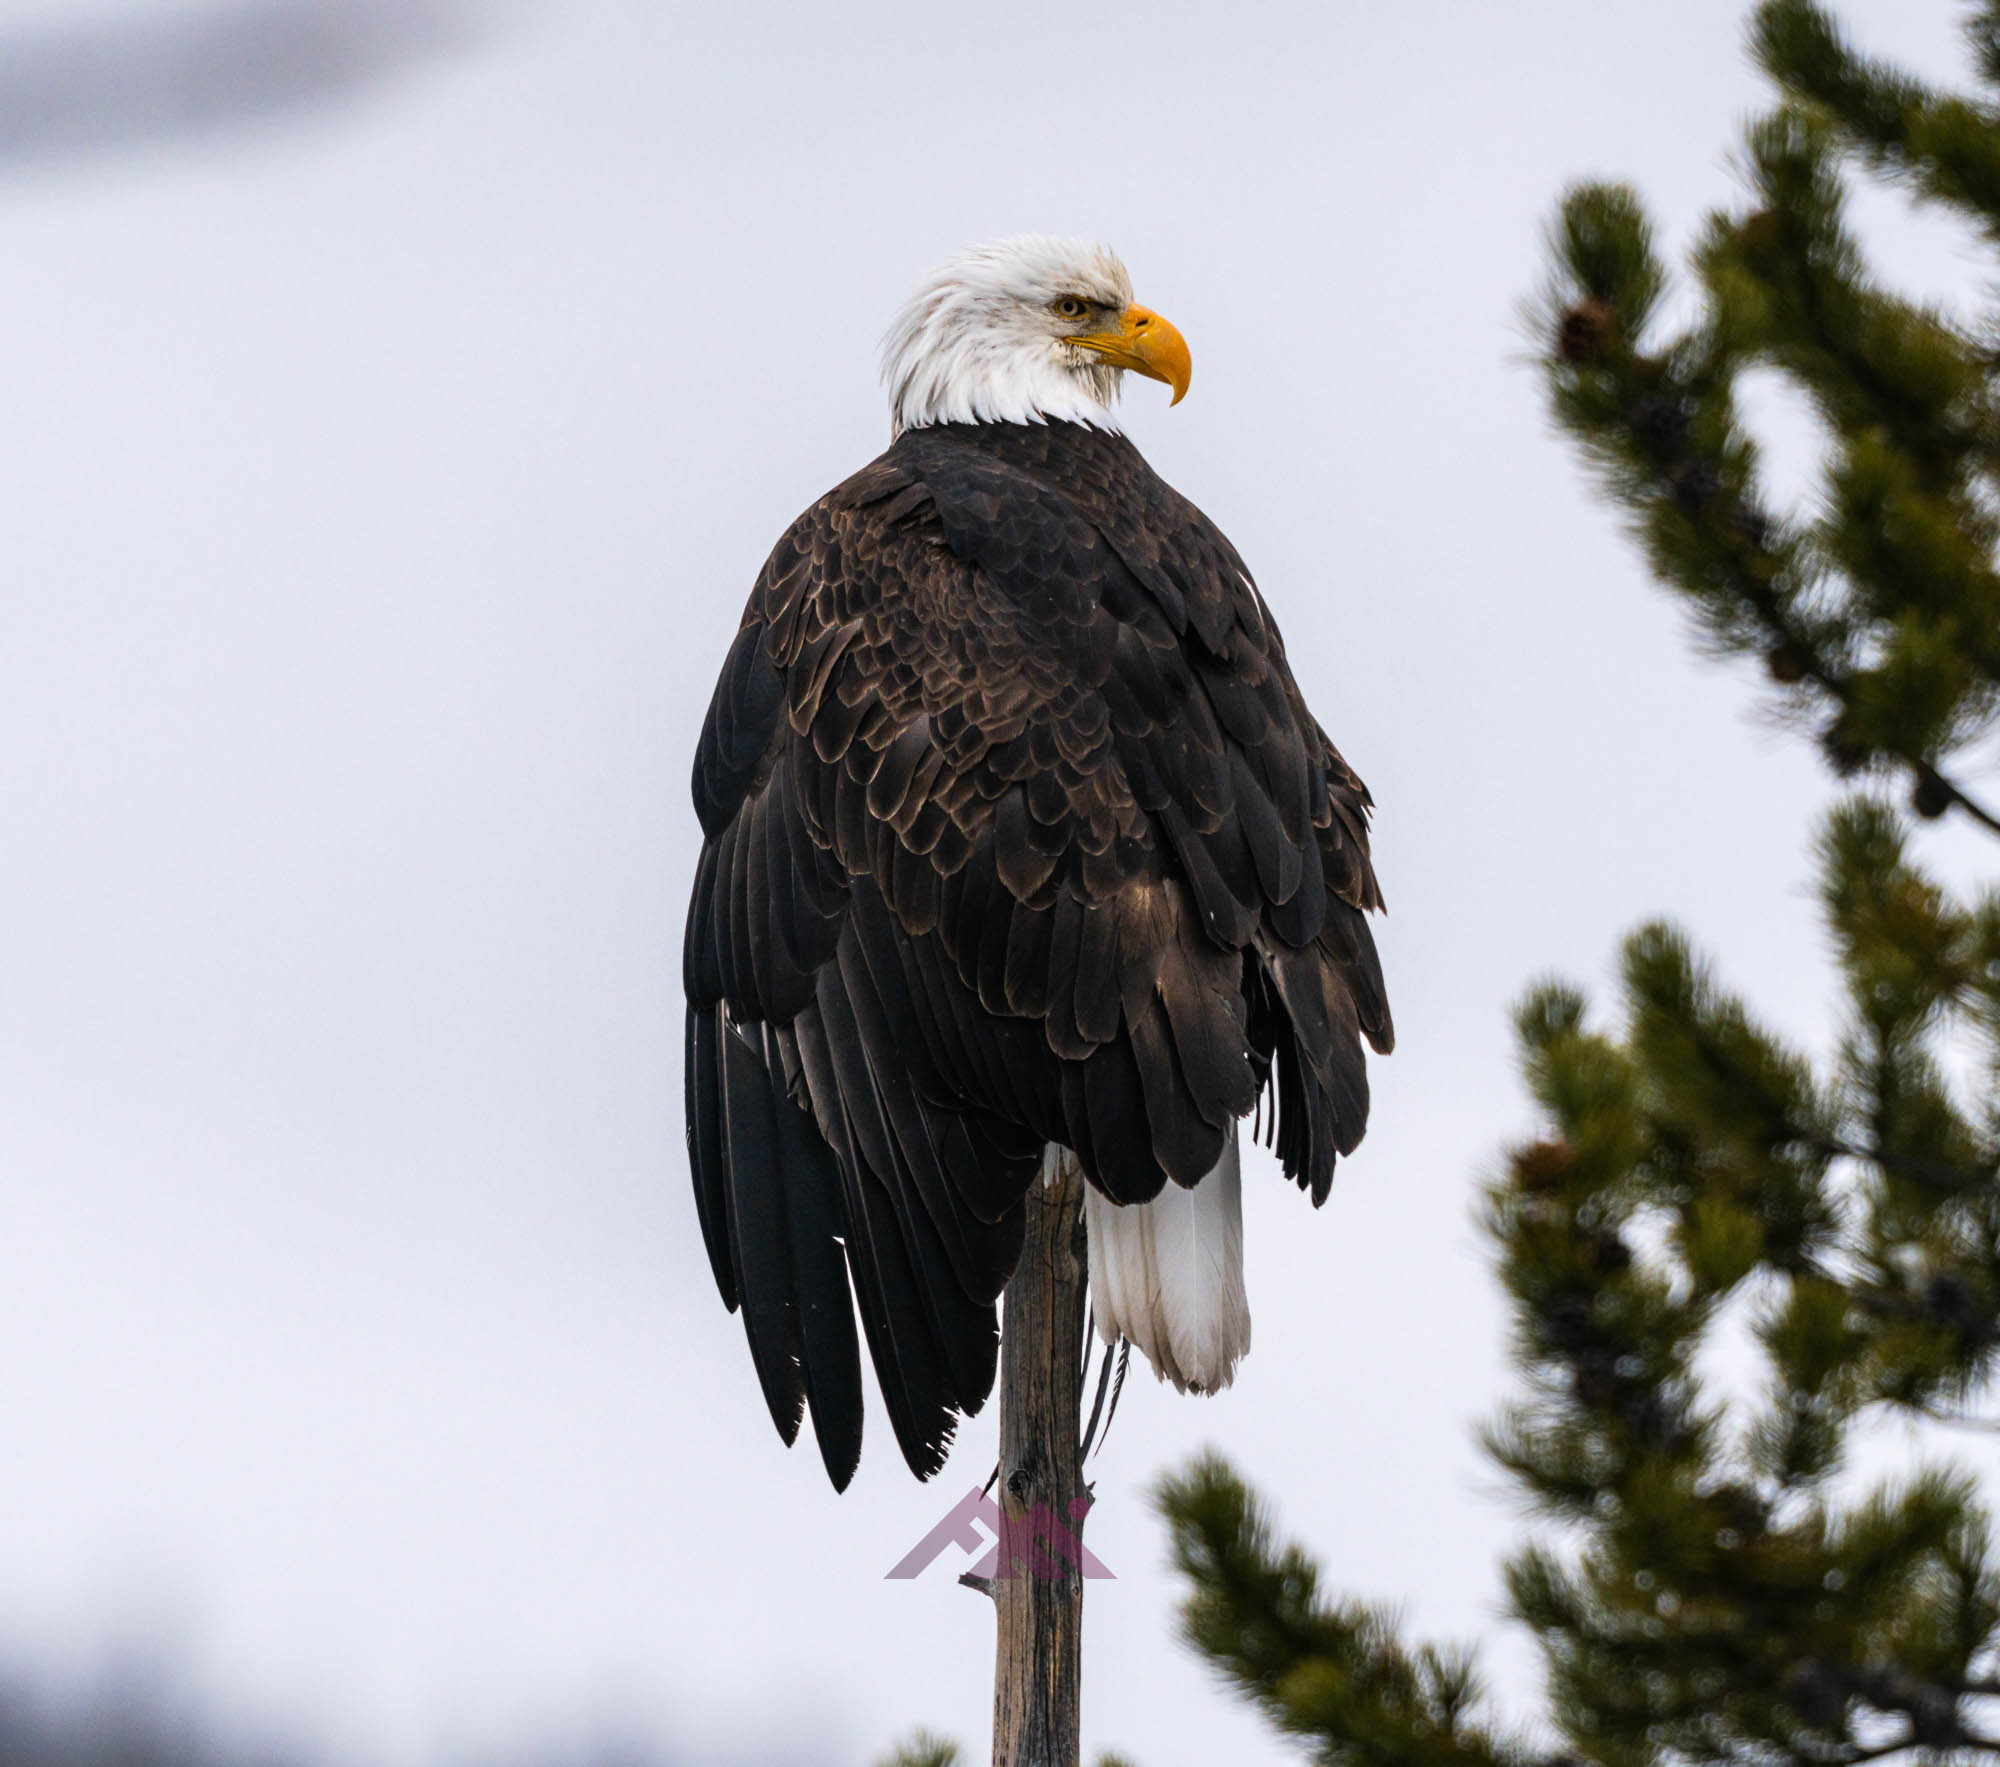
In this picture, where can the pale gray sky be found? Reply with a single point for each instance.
(381, 487)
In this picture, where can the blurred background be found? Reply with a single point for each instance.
(400, 397)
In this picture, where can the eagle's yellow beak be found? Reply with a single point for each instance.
(1146, 344)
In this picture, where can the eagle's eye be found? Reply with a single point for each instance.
(1072, 307)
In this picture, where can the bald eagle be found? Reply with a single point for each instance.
(1017, 837)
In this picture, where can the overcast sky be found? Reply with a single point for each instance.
(387, 458)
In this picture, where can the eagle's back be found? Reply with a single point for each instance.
(1017, 831)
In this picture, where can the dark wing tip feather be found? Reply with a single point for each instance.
(816, 1221)
(707, 1156)
(760, 1236)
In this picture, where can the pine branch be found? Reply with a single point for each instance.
(1338, 1674)
(1945, 147)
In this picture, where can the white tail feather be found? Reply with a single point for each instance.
(1169, 1275)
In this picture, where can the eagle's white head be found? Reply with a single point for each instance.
(1027, 330)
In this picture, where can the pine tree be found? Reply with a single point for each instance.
(1710, 1579)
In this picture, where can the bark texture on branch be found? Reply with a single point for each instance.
(1038, 1596)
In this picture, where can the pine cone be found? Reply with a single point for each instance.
(1567, 1323)
(1787, 664)
(1584, 330)
(1950, 1301)
(1930, 797)
(1660, 421)
(1605, 1253)
(1813, 1689)
(1542, 1166)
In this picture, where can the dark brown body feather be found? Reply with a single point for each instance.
(1016, 831)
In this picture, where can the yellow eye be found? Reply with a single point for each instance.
(1072, 307)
